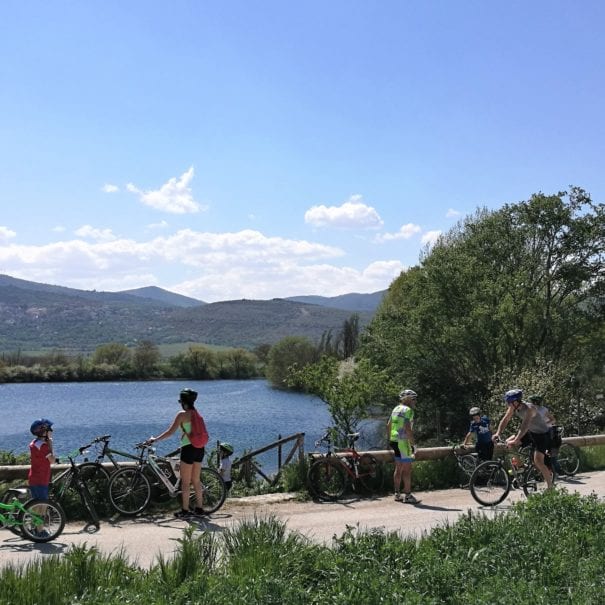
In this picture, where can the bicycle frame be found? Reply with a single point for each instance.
(13, 509)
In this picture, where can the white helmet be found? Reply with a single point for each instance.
(474, 411)
(407, 394)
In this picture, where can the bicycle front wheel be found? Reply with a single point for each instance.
(568, 459)
(129, 491)
(490, 483)
(327, 479)
(213, 488)
(369, 473)
(42, 520)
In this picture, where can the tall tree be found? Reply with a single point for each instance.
(495, 294)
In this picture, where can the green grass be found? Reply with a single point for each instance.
(548, 549)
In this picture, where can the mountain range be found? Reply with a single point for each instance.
(36, 316)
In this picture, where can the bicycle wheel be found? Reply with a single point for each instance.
(22, 494)
(327, 479)
(468, 464)
(159, 492)
(533, 482)
(96, 479)
(129, 491)
(568, 459)
(213, 488)
(490, 483)
(370, 473)
(42, 520)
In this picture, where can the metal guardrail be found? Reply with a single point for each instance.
(10, 473)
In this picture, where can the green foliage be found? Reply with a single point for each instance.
(292, 351)
(548, 549)
(349, 395)
(493, 297)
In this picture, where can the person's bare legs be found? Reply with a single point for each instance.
(541, 466)
(197, 484)
(406, 468)
(186, 471)
(398, 477)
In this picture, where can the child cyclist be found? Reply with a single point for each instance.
(41, 457)
(484, 446)
(225, 452)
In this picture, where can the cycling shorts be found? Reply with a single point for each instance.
(541, 441)
(190, 454)
(403, 450)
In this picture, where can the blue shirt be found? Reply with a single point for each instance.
(484, 434)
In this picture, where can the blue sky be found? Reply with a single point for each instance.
(260, 149)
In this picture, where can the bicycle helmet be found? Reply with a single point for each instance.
(40, 426)
(513, 395)
(227, 447)
(407, 394)
(187, 396)
(474, 411)
(537, 399)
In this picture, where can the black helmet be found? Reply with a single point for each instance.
(537, 399)
(40, 426)
(187, 396)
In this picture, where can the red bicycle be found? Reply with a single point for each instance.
(330, 476)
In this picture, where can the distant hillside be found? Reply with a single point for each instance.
(351, 302)
(164, 296)
(37, 316)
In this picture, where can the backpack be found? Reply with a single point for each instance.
(198, 435)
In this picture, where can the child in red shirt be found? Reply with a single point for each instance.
(41, 455)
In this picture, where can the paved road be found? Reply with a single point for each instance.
(143, 539)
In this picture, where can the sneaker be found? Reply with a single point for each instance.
(411, 499)
(200, 512)
(398, 497)
(182, 514)
(42, 534)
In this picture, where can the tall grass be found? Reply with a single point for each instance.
(548, 549)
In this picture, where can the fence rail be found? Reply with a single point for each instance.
(10, 473)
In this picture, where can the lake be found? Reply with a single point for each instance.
(247, 413)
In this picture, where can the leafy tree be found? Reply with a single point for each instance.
(496, 294)
(289, 351)
(197, 362)
(146, 358)
(113, 353)
(349, 395)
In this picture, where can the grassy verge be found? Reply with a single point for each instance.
(548, 549)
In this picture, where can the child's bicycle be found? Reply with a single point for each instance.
(36, 520)
(492, 481)
(330, 475)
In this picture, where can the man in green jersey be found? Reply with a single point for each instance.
(400, 435)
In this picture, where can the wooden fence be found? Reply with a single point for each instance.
(249, 466)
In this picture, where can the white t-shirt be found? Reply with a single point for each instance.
(225, 468)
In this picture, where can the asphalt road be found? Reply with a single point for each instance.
(144, 538)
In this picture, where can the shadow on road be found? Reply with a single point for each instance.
(45, 548)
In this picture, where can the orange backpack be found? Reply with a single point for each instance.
(198, 435)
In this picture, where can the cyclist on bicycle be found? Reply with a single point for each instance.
(400, 435)
(484, 446)
(533, 423)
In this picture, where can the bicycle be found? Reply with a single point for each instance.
(36, 520)
(84, 482)
(329, 477)
(566, 457)
(467, 461)
(130, 488)
(492, 481)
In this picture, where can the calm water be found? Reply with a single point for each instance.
(248, 414)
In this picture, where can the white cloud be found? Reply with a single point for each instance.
(101, 235)
(6, 233)
(109, 188)
(430, 237)
(353, 214)
(451, 213)
(160, 225)
(175, 196)
(405, 232)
